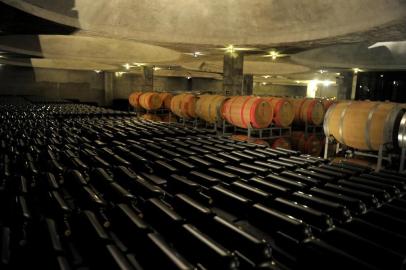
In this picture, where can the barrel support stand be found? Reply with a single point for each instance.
(225, 125)
(380, 157)
(271, 132)
(402, 161)
(327, 144)
(313, 129)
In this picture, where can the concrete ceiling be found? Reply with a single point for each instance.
(88, 48)
(250, 67)
(213, 22)
(377, 56)
(319, 34)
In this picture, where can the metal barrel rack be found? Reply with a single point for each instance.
(270, 132)
(313, 129)
(383, 154)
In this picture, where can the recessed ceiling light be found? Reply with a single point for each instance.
(273, 54)
(197, 54)
(97, 70)
(230, 49)
(327, 82)
(266, 76)
(356, 70)
(127, 66)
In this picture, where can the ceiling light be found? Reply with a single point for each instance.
(127, 66)
(338, 73)
(264, 83)
(327, 82)
(266, 76)
(356, 70)
(119, 73)
(156, 68)
(381, 75)
(97, 70)
(188, 77)
(321, 71)
(273, 54)
(230, 49)
(197, 54)
(139, 64)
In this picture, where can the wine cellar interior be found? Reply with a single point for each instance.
(139, 135)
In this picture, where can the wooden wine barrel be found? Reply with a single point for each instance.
(310, 144)
(327, 103)
(281, 142)
(245, 111)
(166, 100)
(168, 118)
(134, 99)
(244, 138)
(283, 113)
(310, 111)
(152, 117)
(208, 107)
(184, 105)
(364, 125)
(150, 101)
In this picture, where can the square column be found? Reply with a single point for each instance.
(344, 85)
(148, 78)
(233, 73)
(248, 85)
(108, 88)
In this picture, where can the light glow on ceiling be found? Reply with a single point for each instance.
(356, 70)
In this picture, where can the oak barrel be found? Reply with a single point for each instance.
(166, 100)
(245, 111)
(364, 125)
(152, 117)
(310, 111)
(327, 103)
(244, 138)
(310, 144)
(184, 105)
(208, 107)
(134, 99)
(281, 142)
(150, 101)
(283, 113)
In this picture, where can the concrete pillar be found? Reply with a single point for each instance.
(344, 85)
(189, 84)
(148, 77)
(108, 88)
(354, 86)
(248, 84)
(233, 73)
